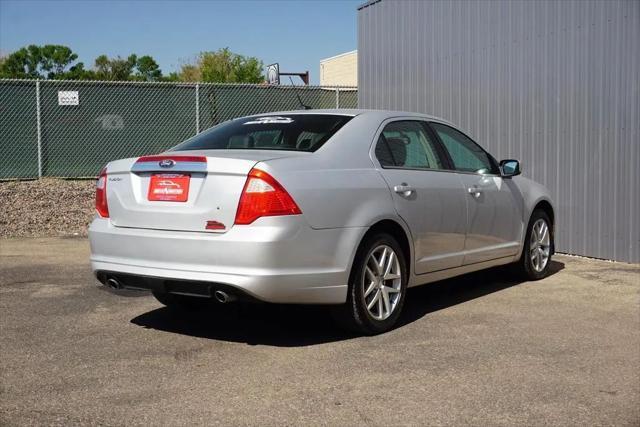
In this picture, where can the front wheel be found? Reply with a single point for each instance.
(377, 287)
(535, 261)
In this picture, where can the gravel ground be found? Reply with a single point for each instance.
(46, 207)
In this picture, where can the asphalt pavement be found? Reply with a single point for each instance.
(478, 350)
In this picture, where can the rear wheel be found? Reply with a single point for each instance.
(377, 287)
(535, 261)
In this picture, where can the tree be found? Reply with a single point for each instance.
(3, 60)
(148, 69)
(171, 77)
(37, 62)
(54, 59)
(60, 62)
(132, 68)
(223, 66)
(22, 64)
(116, 68)
(190, 73)
(78, 72)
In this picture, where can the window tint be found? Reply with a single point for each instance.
(257, 140)
(467, 156)
(293, 132)
(407, 144)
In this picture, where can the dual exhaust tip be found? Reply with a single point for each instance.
(221, 296)
(113, 283)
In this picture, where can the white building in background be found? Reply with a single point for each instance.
(340, 70)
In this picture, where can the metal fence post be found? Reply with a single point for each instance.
(337, 97)
(38, 129)
(197, 108)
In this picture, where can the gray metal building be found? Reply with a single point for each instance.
(551, 83)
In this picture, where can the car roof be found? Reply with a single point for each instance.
(381, 114)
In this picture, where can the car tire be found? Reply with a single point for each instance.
(375, 300)
(537, 248)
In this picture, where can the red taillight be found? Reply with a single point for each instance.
(263, 196)
(101, 194)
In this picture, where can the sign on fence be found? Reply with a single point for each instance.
(68, 97)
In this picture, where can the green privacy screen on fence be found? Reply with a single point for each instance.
(84, 125)
(18, 130)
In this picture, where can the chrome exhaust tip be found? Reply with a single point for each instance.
(113, 283)
(223, 297)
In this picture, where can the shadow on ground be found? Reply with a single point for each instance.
(294, 325)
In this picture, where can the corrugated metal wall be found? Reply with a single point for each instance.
(552, 83)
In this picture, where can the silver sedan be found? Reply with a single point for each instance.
(347, 208)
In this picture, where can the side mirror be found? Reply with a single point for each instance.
(509, 168)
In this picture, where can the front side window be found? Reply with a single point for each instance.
(406, 144)
(293, 132)
(467, 156)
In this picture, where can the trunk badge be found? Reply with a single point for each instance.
(166, 163)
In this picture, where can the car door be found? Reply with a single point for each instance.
(494, 206)
(429, 198)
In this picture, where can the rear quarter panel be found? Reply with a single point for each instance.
(334, 198)
(338, 185)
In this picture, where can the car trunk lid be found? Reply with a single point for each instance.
(186, 191)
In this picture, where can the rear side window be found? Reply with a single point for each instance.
(406, 144)
(293, 132)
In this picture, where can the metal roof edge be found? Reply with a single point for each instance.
(368, 3)
(339, 55)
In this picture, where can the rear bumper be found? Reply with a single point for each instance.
(277, 259)
(171, 286)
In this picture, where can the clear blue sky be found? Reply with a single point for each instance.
(297, 34)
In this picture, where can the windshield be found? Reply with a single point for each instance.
(292, 132)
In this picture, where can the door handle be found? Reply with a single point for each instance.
(404, 189)
(474, 191)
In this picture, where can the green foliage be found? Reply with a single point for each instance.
(55, 60)
(77, 72)
(143, 68)
(223, 66)
(39, 62)
(148, 69)
(172, 77)
(190, 73)
(60, 62)
(115, 68)
(22, 64)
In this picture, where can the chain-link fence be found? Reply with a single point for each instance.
(73, 128)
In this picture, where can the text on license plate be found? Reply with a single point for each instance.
(169, 188)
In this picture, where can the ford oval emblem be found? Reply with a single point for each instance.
(166, 163)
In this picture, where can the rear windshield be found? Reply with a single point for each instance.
(291, 132)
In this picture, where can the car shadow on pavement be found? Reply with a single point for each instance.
(447, 293)
(295, 325)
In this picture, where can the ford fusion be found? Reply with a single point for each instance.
(347, 208)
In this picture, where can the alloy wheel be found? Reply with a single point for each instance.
(539, 245)
(382, 282)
